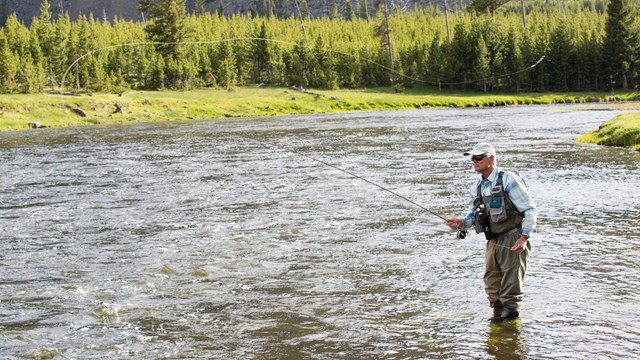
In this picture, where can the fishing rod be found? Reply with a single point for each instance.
(461, 234)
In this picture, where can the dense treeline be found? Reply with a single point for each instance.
(580, 51)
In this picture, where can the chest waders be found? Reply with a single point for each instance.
(495, 214)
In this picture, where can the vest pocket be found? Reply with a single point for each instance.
(497, 209)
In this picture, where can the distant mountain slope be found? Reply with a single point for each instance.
(28, 9)
(127, 9)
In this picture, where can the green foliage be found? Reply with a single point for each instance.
(167, 27)
(347, 10)
(303, 9)
(52, 109)
(487, 6)
(621, 43)
(584, 48)
(561, 51)
(363, 9)
(8, 67)
(623, 130)
(200, 7)
(334, 13)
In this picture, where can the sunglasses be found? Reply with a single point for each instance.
(478, 157)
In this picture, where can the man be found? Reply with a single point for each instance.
(501, 207)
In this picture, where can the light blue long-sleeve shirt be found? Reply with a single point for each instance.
(517, 192)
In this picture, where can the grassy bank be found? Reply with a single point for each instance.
(623, 130)
(57, 110)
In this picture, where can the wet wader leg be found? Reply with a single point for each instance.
(513, 267)
(492, 274)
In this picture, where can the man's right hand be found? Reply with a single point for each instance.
(454, 223)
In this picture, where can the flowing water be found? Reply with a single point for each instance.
(225, 240)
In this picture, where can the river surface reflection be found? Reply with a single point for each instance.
(222, 239)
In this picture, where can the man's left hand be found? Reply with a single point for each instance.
(520, 245)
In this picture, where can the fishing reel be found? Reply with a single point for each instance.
(461, 234)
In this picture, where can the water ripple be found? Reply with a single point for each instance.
(214, 239)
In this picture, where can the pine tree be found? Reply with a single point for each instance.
(8, 66)
(39, 42)
(458, 64)
(486, 6)
(495, 40)
(383, 32)
(560, 51)
(157, 76)
(363, 9)
(168, 26)
(513, 60)
(535, 45)
(347, 11)
(304, 9)
(435, 64)
(59, 60)
(45, 12)
(28, 76)
(620, 43)
(323, 74)
(271, 8)
(226, 71)
(299, 64)
(42, 26)
(481, 67)
(261, 55)
(200, 7)
(334, 13)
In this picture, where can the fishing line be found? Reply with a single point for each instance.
(495, 77)
(370, 182)
(308, 47)
(461, 233)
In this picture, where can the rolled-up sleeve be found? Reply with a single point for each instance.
(467, 220)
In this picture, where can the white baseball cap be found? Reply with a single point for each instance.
(481, 149)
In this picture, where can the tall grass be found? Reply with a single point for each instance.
(623, 130)
(54, 110)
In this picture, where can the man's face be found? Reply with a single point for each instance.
(481, 162)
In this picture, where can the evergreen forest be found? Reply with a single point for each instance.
(517, 46)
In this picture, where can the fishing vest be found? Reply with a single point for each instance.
(498, 208)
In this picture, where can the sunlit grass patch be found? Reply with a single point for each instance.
(623, 130)
(133, 106)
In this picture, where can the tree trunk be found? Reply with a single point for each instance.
(446, 20)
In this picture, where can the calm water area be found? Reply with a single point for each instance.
(224, 240)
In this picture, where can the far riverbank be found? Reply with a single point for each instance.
(22, 111)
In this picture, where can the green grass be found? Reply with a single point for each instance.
(623, 130)
(54, 110)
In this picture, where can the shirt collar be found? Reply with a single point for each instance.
(493, 177)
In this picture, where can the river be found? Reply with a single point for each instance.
(225, 239)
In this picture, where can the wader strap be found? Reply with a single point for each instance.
(499, 182)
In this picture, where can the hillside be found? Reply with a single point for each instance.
(127, 9)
